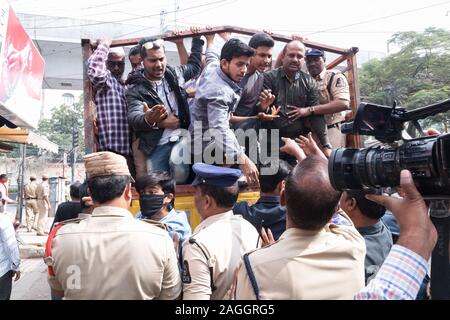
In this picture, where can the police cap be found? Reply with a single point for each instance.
(214, 175)
(314, 53)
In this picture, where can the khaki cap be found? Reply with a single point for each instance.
(105, 163)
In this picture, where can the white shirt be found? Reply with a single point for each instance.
(9, 249)
(170, 103)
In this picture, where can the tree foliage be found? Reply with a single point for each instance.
(416, 75)
(59, 128)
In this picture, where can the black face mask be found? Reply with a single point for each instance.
(151, 204)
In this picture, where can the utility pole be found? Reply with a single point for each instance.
(74, 150)
(23, 153)
(175, 11)
(162, 21)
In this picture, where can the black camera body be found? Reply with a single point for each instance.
(428, 158)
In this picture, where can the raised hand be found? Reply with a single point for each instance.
(155, 114)
(266, 98)
(309, 146)
(269, 117)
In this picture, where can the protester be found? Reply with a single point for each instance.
(157, 198)
(158, 108)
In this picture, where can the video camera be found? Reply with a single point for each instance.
(427, 157)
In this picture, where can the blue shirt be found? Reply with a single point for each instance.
(176, 221)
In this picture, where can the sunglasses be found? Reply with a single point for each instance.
(115, 63)
(153, 44)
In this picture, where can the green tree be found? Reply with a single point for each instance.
(417, 75)
(59, 128)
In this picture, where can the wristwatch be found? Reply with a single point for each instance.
(311, 110)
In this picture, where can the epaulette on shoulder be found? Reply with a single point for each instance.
(76, 220)
(262, 248)
(155, 223)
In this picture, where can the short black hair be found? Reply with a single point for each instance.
(106, 188)
(134, 51)
(235, 48)
(225, 197)
(157, 178)
(75, 189)
(368, 208)
(261, 40)
(268, 183)
(83, 192)
(143, 41)
(3, 175)
(310, 199)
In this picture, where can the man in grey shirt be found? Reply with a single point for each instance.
(217, 96)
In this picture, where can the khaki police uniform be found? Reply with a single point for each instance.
(303, 264)
(31, 208)
(42, 191)
(333, 85)
(111, 255)
(212, 254)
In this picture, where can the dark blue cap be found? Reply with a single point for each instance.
(314, 53)
(215, 176)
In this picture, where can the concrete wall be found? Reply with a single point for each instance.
(39, 166)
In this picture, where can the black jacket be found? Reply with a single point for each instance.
(267, 212)
(142, 91)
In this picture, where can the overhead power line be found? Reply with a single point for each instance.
(379, 18)
(130, 19)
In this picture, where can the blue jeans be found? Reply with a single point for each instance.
(172, 157)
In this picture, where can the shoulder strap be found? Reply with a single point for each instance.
(330, 81)
(210, 266)
(48, 249)
(156, 223)
(48, 259)
(251, 275)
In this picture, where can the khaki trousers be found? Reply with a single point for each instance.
(337, 138)
(32, 211)
(43, 214)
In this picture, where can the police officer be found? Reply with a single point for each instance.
(334, 95)
(31, 207)
(211, 255)
(111, 255)
(313, 259)
(43, 204)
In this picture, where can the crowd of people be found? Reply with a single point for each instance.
(167, 125)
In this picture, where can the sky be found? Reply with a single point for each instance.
(367, 25)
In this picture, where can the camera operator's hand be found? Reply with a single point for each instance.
(417, 232)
